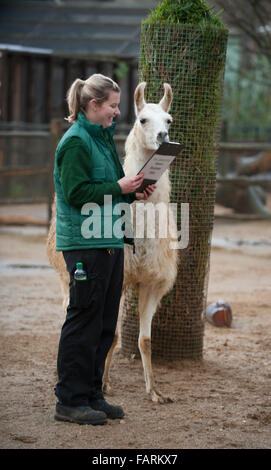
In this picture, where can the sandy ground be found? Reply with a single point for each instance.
(222, 401)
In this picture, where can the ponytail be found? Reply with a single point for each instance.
(74, 98)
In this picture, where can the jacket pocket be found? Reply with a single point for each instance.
(84, 292)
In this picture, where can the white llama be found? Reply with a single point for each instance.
(153, 267)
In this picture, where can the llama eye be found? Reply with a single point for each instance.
(169, 121)
(143, 121)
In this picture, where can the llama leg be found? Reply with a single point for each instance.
(106, 378)
(64, 284)
(148, 301)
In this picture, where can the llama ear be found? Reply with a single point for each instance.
(167, 98)
(139, 97)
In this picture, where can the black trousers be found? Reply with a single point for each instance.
(90, 324)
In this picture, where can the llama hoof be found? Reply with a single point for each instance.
(157, 397)
(107, 389)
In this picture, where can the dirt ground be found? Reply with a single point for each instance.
(222, 401)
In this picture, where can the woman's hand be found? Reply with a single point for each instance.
(129, 184)
(146, 193)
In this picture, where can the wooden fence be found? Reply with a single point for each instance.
(34, 86)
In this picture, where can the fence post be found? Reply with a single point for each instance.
(56, 131)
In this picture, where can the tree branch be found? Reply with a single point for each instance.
(257, 13)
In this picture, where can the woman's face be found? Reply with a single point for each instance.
(105, 113)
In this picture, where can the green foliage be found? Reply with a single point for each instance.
(185, 12)
(121, 69)
(247, 101)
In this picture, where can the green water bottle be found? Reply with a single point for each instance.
(80, 274)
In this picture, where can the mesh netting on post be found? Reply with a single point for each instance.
(191, 59)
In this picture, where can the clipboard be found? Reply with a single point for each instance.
(158, 163)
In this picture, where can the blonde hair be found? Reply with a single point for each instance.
(97, 87)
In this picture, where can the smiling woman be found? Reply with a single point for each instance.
(88, 170)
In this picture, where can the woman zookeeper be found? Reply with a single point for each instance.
(88, 170)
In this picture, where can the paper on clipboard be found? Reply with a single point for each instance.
(159, 163)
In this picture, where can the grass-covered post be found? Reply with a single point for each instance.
(184, 44)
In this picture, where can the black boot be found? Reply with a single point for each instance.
(111, 411)
(79, 414)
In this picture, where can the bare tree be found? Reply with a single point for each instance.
(252, 17)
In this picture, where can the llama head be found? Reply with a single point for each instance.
(152, 120)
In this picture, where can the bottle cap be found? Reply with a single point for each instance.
(79, 265)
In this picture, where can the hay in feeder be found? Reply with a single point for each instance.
(183, 44)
